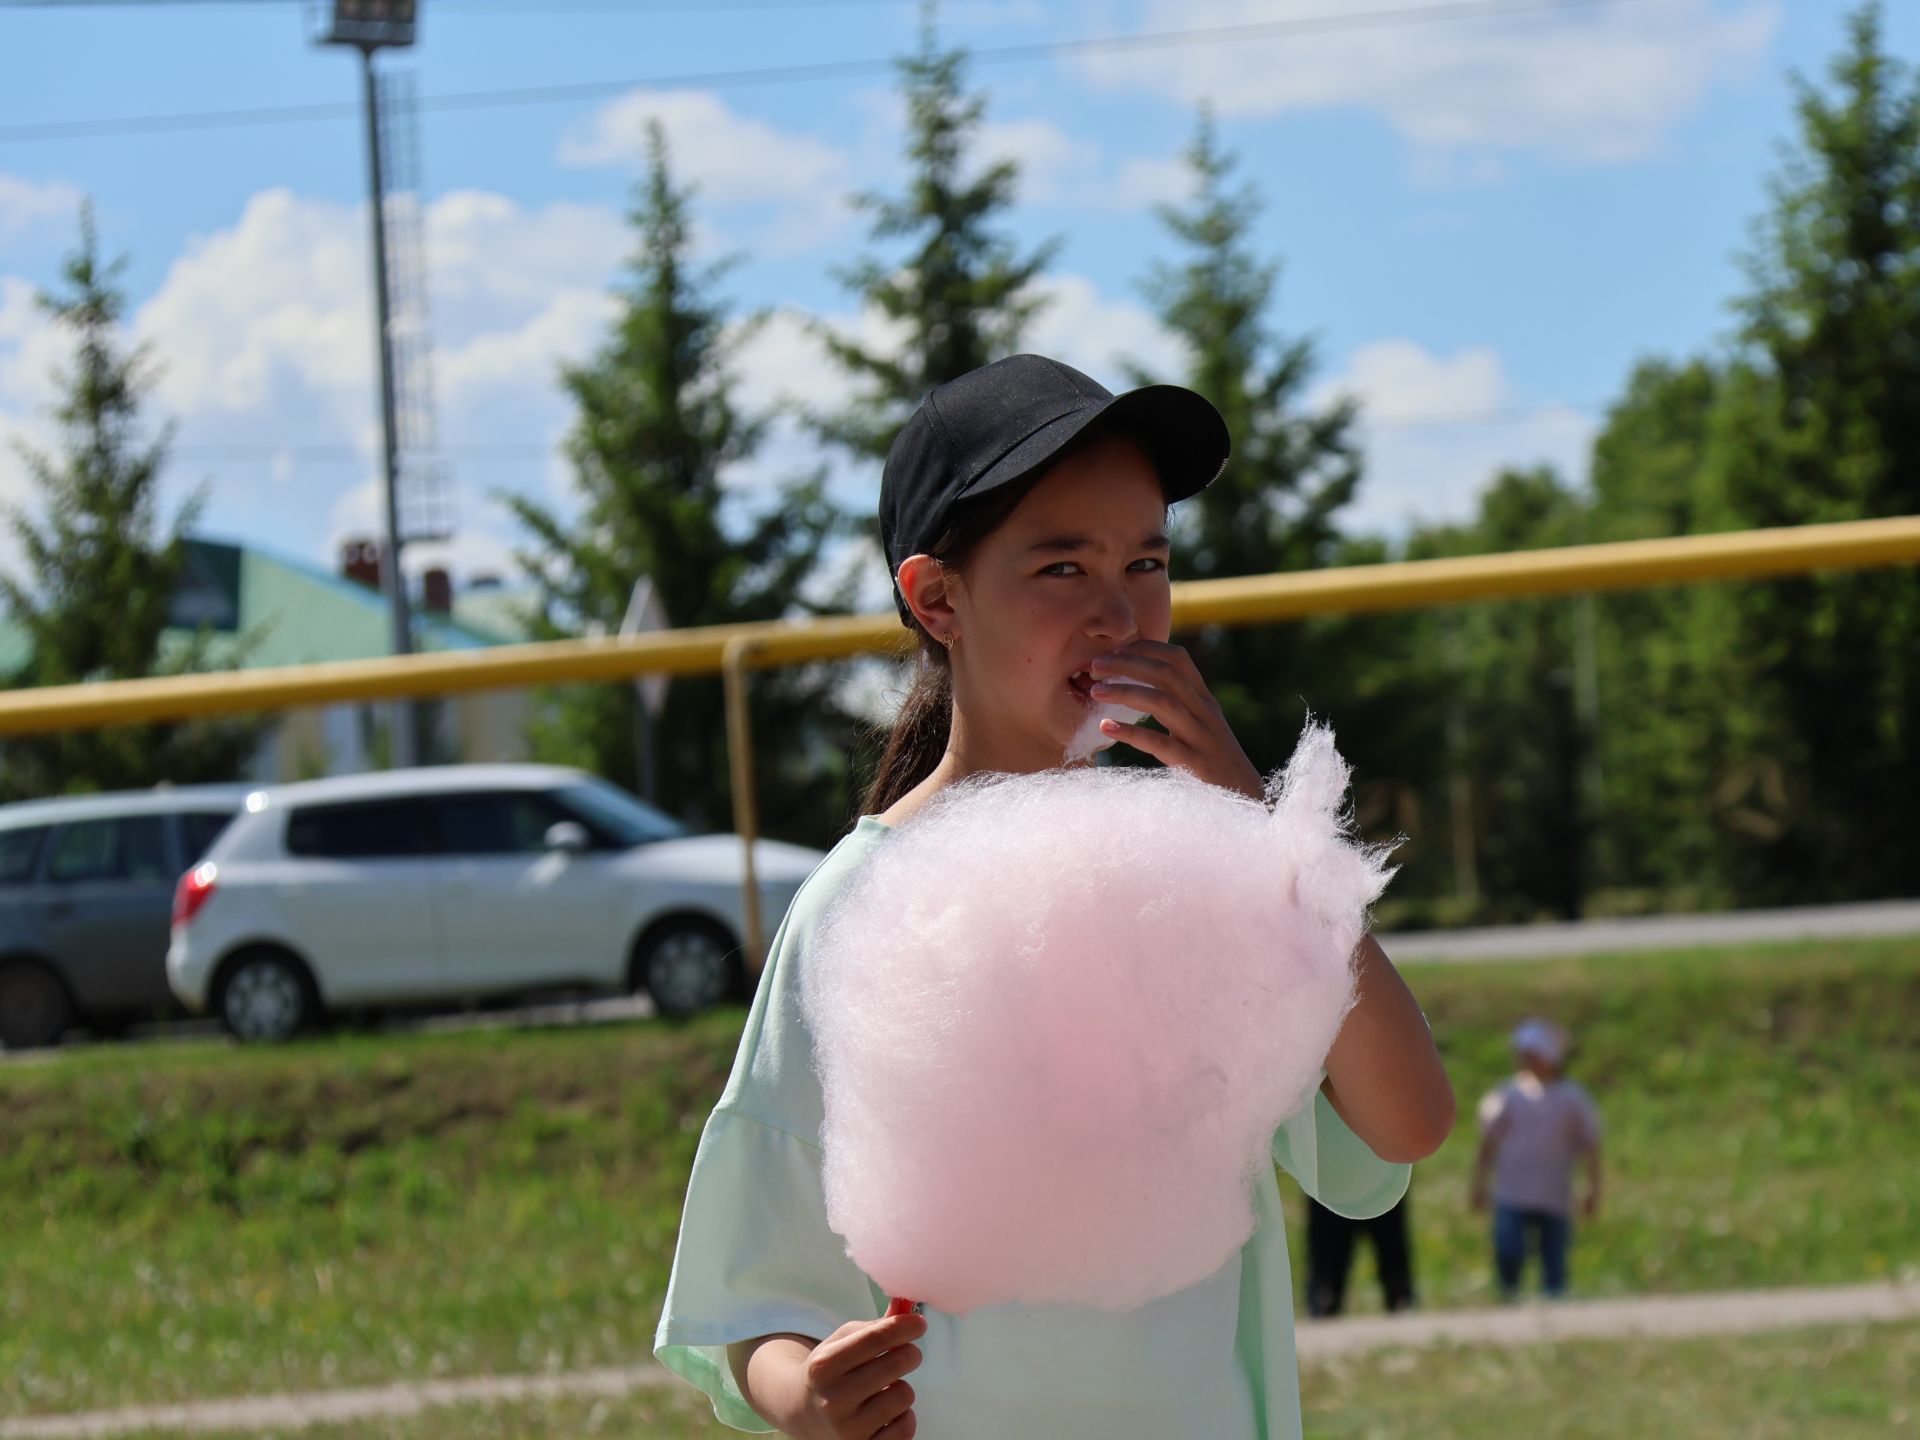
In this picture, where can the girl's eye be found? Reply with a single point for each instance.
(1145, 565)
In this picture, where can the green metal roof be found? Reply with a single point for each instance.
(292, 612)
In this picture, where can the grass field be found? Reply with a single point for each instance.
(192, 1220)
(1853, 1383)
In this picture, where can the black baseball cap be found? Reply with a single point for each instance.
(1004, 421)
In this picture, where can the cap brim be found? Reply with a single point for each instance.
(1184, 434)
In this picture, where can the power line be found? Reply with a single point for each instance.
(815, 70)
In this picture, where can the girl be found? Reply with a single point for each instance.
(1023, 509)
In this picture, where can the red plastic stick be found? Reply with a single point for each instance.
(900, 1307)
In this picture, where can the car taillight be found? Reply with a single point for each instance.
(193, 891)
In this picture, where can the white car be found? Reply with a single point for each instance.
(410, 887)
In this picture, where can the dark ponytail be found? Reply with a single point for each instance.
(919, 735)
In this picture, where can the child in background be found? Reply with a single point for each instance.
(1534, 1128)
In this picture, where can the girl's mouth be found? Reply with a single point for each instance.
(1081, 684)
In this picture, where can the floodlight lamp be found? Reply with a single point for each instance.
(372, 24)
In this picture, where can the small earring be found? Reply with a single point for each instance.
(949, 637)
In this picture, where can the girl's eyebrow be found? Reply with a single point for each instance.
(1068, 544)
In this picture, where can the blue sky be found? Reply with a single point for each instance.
(1480, 216)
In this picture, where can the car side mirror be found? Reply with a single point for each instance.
(569, 836)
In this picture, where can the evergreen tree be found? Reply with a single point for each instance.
(101, 564)
(1505, 675)
(1292, 470)
(963, 294)
(657, 432)
(1822, 422)
(1681, 714)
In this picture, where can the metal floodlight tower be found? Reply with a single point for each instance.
(367, 26)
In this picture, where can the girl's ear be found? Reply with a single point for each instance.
(927, 587)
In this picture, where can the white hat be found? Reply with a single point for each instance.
(1542, 1038)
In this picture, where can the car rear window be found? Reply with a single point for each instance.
(199, 829)
(18, 850)
(360, 830)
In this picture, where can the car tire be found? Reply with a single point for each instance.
(266, 997)
(687, 965)
(35, 1009)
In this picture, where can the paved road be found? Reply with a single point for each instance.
(1737, 1313)
(1658, 932)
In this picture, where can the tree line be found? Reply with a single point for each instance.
(1744, 743)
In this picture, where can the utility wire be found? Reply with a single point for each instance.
(816, 70)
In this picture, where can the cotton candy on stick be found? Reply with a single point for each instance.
(1058, 1018)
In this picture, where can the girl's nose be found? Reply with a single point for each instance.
(1111, 617)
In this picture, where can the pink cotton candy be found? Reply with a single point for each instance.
(1059, 1017)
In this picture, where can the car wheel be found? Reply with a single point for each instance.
(687, 966)
(266, 998)
(34, 1008)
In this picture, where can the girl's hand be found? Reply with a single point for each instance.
(1162, 681)
(852, 1385)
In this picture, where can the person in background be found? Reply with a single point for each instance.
(1331, 1240)
(1535, 1128)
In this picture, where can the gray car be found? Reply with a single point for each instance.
(86, 897)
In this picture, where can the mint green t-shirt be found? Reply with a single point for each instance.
(1212, 1362)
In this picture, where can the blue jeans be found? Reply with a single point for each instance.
(1510, 1228)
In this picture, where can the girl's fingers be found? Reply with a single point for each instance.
(870, 1379)
(834, 1358)
(1168, 666)
(885, 1408)
(1144, 698)
(1163, 748)
(905, 1428)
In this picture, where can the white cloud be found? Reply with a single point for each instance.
(733, 160)
(1059, 169)
(1144, 182)
(1099, 334)
(265, 337)
(25, 205)
(1437, 428)
(31, 349)
(1588, 84)
(784, 362)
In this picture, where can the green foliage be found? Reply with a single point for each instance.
(1822, 422)
(657, 434)
(962, 295)
(1274, 505)
(101, 563)
(1736, 742)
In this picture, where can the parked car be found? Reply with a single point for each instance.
(456, 883)
(85, 886)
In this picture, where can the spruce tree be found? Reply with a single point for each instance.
(1275, 504)
(963, 293)
(657, 433)
(1821, 421)
(101, 562)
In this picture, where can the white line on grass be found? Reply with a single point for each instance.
(1738, 1312)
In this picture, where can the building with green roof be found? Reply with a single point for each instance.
(261, 609)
